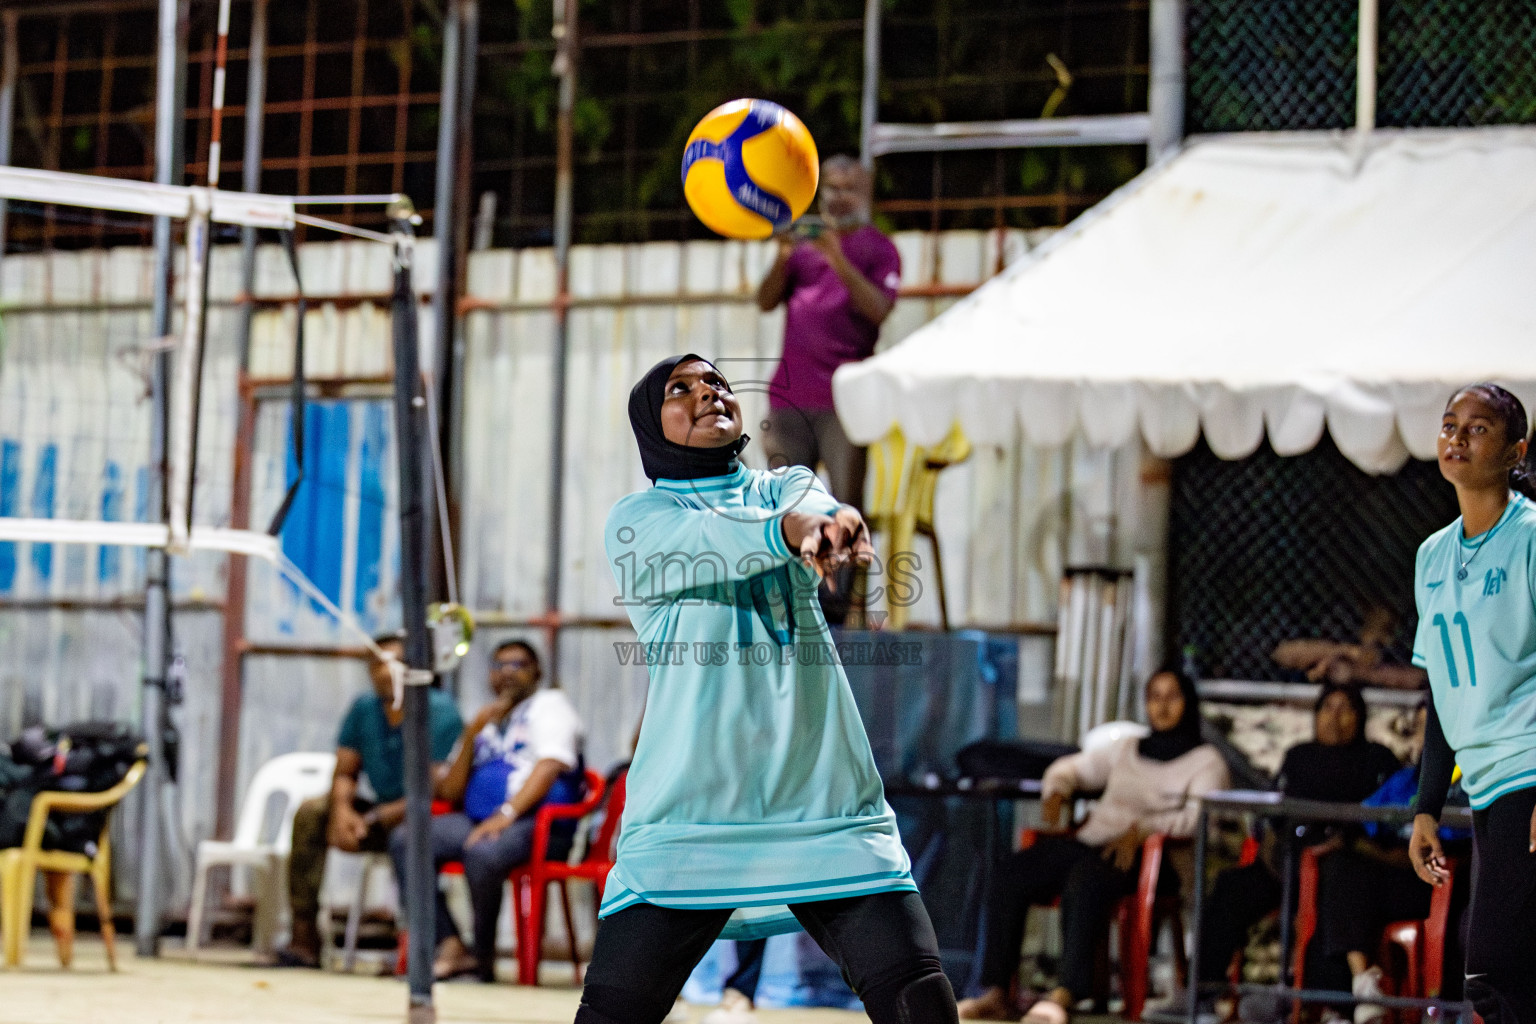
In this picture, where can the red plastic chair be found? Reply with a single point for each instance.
(531, 881)
(1139, 918)
(542, 823)
(1422, 942)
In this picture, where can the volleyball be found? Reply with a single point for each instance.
(750, 169)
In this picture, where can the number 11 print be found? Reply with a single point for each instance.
(1459, 619)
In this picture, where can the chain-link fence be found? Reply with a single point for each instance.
(1266, 65)
(1256, 65)
(1267, 549)
(1456, 63)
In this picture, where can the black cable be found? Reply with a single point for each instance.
(298, 391)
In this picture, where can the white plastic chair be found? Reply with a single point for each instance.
(367, 866)
(295, 778)
(1110, 733)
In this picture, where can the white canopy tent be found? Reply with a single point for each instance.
(1252, 284)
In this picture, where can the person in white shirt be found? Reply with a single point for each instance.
(519, 752)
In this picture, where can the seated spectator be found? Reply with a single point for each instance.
(1338, 765)
(522, 750)
(1365, 882)
(1150, 785)
(370, 744)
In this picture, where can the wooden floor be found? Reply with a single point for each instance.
(171, 990)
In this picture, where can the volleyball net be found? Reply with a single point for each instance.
(77, 408)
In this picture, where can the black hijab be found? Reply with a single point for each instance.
(1185, 735)
(1348, 772)
(668, 460)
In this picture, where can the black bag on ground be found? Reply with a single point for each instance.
(1009, 759)
(85, 757)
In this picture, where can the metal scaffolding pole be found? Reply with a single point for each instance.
(461, 45)
(170, 100)
(565, 68)
(8, 61)
(233, 666)
(869, 102)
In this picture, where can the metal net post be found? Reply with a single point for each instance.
(411, 441)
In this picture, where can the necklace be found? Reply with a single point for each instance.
(1461, 573)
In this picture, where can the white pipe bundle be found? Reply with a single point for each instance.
(1096, 645)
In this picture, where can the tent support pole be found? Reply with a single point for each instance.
(1365, 70)
(1165, 90)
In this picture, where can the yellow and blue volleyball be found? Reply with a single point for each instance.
(750, 169)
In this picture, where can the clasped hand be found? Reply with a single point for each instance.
(347, 830)
(490, 828)
(828, 543)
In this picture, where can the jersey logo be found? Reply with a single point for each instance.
(1493, 581)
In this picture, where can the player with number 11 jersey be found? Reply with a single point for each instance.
(1477, 641)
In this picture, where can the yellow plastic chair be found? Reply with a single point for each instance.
(19, 867)
(905, 481)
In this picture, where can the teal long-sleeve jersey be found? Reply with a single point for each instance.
(752, 785)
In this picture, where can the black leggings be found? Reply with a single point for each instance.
(1501, 935)
(884, 944)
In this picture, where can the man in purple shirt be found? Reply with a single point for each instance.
(838, 288)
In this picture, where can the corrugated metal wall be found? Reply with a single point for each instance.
(74, 443)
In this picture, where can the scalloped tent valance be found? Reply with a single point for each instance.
(1257, 284)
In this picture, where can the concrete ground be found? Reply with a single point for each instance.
(171, 990)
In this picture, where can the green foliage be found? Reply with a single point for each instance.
(941, 60)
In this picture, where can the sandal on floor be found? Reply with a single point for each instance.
(986, 1008)
(293, 958)
(1046, 1011)
(460, 969)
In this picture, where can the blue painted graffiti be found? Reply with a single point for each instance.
(10, 489)
(109, 561)
(314, 534)
(370, 513)
(42, 507)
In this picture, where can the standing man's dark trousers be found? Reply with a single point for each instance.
(806, 437)
(306, 867)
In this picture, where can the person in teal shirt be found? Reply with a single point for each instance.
(752, 788)
(369, 745)
(1475, 586)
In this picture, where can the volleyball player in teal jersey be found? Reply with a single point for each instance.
(752, 784)
(1475, 586)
